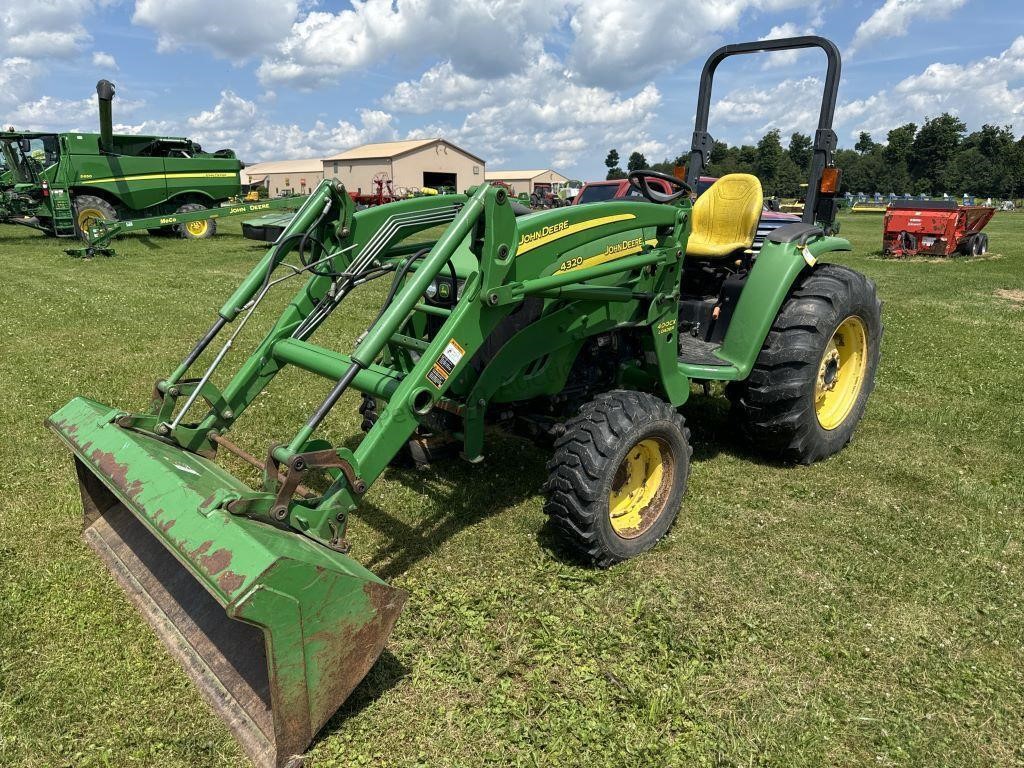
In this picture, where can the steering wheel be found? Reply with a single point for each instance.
(638, 180)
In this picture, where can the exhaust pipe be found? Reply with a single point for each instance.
(105, 95)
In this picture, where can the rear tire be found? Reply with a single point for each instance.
(618, 476)
(983, 248)
(88, 208)
(196, 230)
(810, 384)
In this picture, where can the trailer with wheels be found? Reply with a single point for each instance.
(935, 228)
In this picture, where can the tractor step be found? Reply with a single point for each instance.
(697, 352)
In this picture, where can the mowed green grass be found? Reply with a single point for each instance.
(863, 611)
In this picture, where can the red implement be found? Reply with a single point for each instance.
(935, 228)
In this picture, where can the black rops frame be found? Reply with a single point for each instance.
(825, 139)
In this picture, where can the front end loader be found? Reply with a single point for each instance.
(583, 327)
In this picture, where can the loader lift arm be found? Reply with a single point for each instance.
(274, 557)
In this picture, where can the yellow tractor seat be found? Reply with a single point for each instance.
(725, 217)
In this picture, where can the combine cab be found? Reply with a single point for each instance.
(935, 228)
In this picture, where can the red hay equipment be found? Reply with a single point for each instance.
(935, 228)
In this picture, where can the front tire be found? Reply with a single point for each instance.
(196, 230)
(618, 476)
(810, 384)
(89, 208)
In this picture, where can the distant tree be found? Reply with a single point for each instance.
(935, 145)
(900, 140)
(800, 150)
(1016, 163)
(864, 143)
(935, 158)
(769, 156)
(789, 178)
(636, 162)
(719, 152)
(665, 166)
(612, 162)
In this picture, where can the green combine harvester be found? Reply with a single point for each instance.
(585, 328)
(63, 183)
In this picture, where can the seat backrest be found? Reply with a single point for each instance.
(728, 212)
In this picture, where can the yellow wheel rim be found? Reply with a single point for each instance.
(197, 228)
(87, 216)
(841, 373)
(640, 488)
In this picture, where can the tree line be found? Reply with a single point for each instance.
(938, 157)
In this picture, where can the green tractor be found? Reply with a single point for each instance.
(585, 328)
(61, 183)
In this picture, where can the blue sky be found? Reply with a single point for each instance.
(521, 83)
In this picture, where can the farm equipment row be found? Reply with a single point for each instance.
(583, 326)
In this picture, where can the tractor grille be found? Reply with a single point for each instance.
(764, 228)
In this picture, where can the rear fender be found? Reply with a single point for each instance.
(776, 269)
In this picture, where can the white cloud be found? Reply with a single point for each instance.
(232, 111)
(893, 19)
(34, 34)
(623, 42)
(230, 29)
(541, 107)
(481, 38)
(790, 105)
(780, 59)
(103, 60)
(238, 123)
(50, 30)
(441, 88)
(17, 75)
(989, 90)
(54, 114)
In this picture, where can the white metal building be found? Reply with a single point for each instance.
(544, 180)
(410, 165)
(297, 177)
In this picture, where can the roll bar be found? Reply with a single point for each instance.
(825, 139)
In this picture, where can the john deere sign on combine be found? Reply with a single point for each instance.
(60, 183)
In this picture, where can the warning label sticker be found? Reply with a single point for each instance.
(445, 364)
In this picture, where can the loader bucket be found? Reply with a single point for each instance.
(275, 629)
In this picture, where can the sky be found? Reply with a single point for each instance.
(520, 83)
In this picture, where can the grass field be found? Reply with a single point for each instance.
(862, 611)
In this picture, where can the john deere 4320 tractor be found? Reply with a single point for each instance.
(584, 326)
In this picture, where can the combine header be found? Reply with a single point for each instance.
(935, 228)
(585, 326)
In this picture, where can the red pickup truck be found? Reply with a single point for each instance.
(616, 189)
